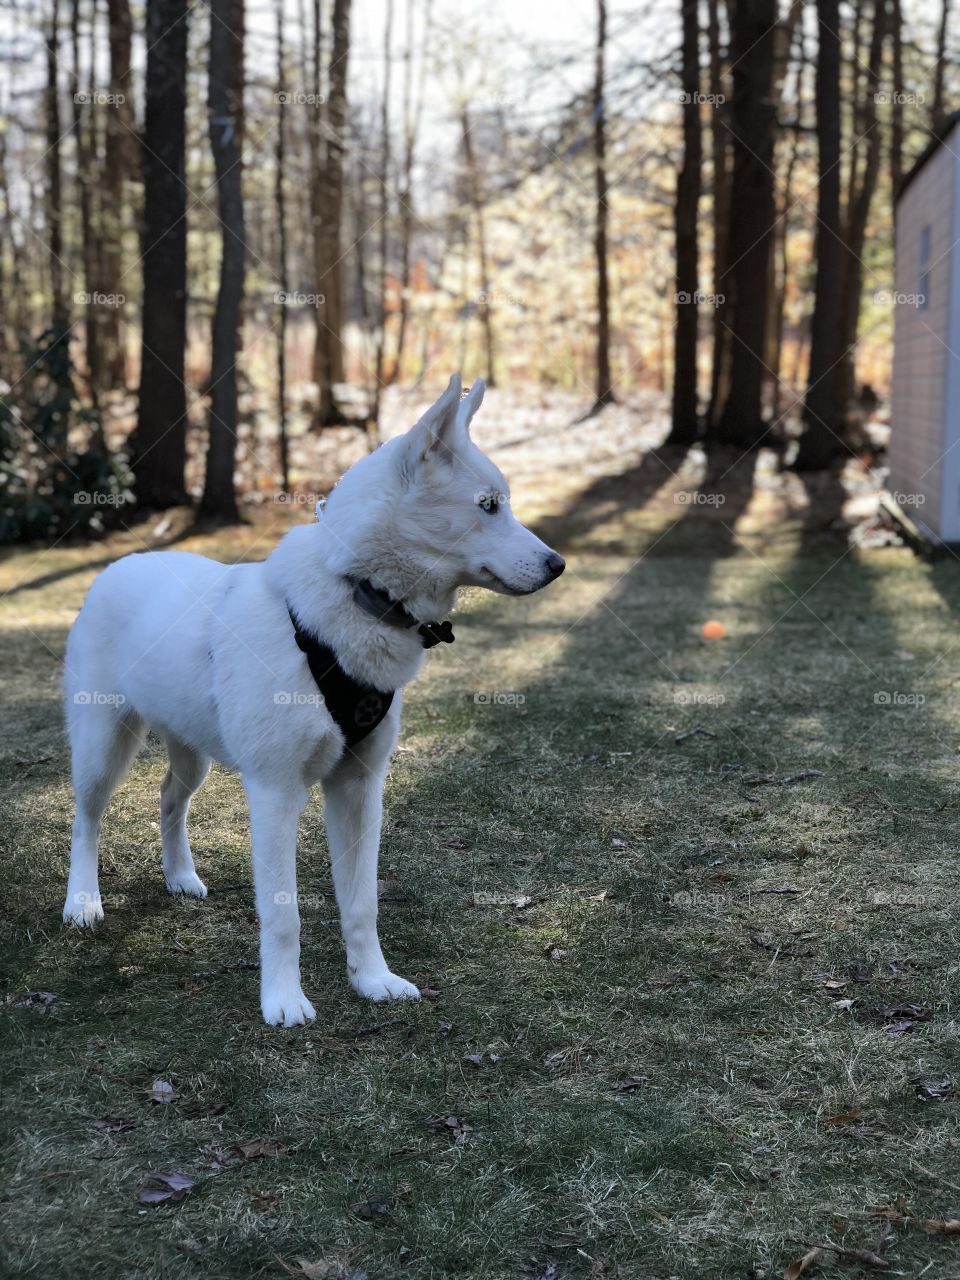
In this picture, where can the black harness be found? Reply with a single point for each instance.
(358, 708)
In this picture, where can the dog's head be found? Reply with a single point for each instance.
(455, 503)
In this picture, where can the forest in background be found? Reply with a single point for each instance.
(225, 224)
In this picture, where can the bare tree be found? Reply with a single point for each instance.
(121, 163)
(159, 446)
(604, 382)
(475, 196)
(823, 413)
(752, 210)
(87, 178)
(54, 174)
(720, 149)
(280, 205)
(225, 114)
(862, 186)
(384, 210)
(328, 353)
(412, 112)
(940, 66)
(686, 212)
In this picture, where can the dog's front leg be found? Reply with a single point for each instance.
(274, 818)
(354, 806)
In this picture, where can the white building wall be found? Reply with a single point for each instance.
(925, 254)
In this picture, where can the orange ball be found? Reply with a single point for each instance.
(713, 630)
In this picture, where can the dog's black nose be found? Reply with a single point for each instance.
(556, 564)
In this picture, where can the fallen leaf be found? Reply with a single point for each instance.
(373, 1209)
(324, 1269)
(799, 1268)
(262, 1201)
(553, 951)
(458, 1128)
(114, 1124)
(165, 1188)
(41, 1000)
(161, 1091)
(258, 1147)
(198, 1107)
(430, 993)
(934, 1090)
(475, 1059)
(846, 1117)
(629, 1084)
(618, 844)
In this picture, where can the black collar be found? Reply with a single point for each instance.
(382, 606)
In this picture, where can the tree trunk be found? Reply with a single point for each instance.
(604, 382)
(940, 68)
(752, 210)
(411, 127)
(328, 353)
(87, 179)
(384, 210)
(225, 108)
(159, 447)
(476, 198)
(280, 205)
(121, 162)
(686, 212)
(862, 188)
(823, 412)
(896, 114)
(54, 193)
(719, 136)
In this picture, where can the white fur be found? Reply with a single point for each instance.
(204, 654)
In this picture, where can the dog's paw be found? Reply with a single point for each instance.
(289, 1008)
(187, 882)
(82, 909)
(384, 986)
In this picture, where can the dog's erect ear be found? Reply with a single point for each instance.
(470, 404)
(438, 431)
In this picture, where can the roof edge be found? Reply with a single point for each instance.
(941, 131)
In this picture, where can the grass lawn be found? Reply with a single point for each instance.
(686, 1007)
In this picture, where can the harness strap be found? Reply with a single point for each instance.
(356, 708)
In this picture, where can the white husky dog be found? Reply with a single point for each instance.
(291, 671)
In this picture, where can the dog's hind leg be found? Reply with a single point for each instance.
(104, 741)
(188, 768)
(354, 807)
(274, 819)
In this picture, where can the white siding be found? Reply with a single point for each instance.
(921, 335)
